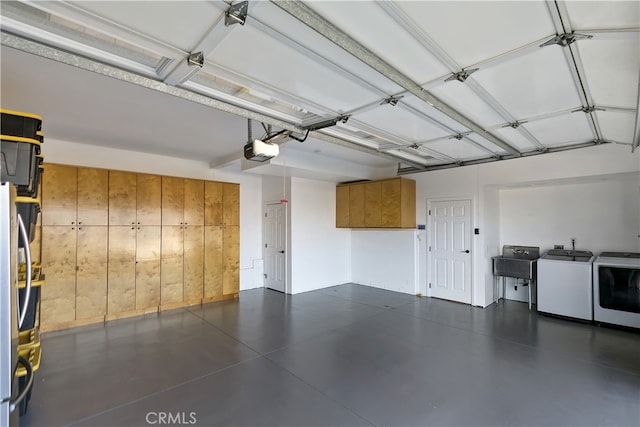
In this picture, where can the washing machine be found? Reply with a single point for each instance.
(616, 289)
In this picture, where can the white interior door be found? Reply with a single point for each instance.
(275, 242)
(450, 250)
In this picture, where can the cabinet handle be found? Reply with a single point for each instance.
(79, 222)
(79, 228)
(73, 228)
(73, 222)
(138, 222)
(133, 223)
(133, 228)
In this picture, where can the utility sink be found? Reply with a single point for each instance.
(517, 261)
(514, 267)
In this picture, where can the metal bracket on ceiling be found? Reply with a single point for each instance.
(196, 58)
(589, 109)
(462, 75)
(458, 136)
(514, 125)
(236, 14)
(392, 100)
(566, 39)
(414, 146)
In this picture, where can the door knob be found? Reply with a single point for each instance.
(281, 252)
(466, 252)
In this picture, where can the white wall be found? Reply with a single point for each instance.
(386, 259)
(601, 215)
(70, 153)
(320, 252)
(481, 182)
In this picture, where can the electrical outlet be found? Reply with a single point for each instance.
(558, 246)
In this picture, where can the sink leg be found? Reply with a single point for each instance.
(504, 288)
(529, 286)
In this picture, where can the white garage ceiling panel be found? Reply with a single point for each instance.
(612, 68)
(269, 15)
(419, 105)
(457, 149)
(616, 127)
(463, 99)
(178, 23)
(366, 22)
(533, 84)
(590, 15)
(401, 122)
(252, 53)
(473, 34)
(561, 130)
(515, 137)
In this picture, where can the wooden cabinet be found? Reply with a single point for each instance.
(222, 237)
(147, 271)
(171, 266)
(122, 198)
(59, 195)
(91, 265)
(389, 203)
(193, 277)
(58, 303)
(148, 199)
(373, 204)
(342, 206)
(356, 205)
(93, 196)
(121, 289)
(118, 244)
(172, 200)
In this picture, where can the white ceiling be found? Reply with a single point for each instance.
(115, 74)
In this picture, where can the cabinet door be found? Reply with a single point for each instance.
(59, 262)
(356, 205)
(230, 204)
(342, 206)
(121, 286)
(391, 203)
(212, 203)
(193, 263)
(93, 196)
(172, 200)
(213, 261)
(91, 276)
(122, 198)
(59, 195)
(148, 199)
(148, 244)
(231, 256)
(372, 204)
(193, 202)
(171, 265)
(408, 208)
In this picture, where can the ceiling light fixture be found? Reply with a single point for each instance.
(236, 14)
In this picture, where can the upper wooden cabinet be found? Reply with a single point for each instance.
(172, 200)
(59, 195)
(221, 203)
(75, 196)
(388, 203)
(193, 202)
(122, 198)
(148, 199)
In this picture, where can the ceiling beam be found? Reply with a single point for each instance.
(313, 20)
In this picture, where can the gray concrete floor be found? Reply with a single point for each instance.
(347, 355)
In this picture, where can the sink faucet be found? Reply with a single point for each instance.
(573, 244)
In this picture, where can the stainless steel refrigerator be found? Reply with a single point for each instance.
(11, 316)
